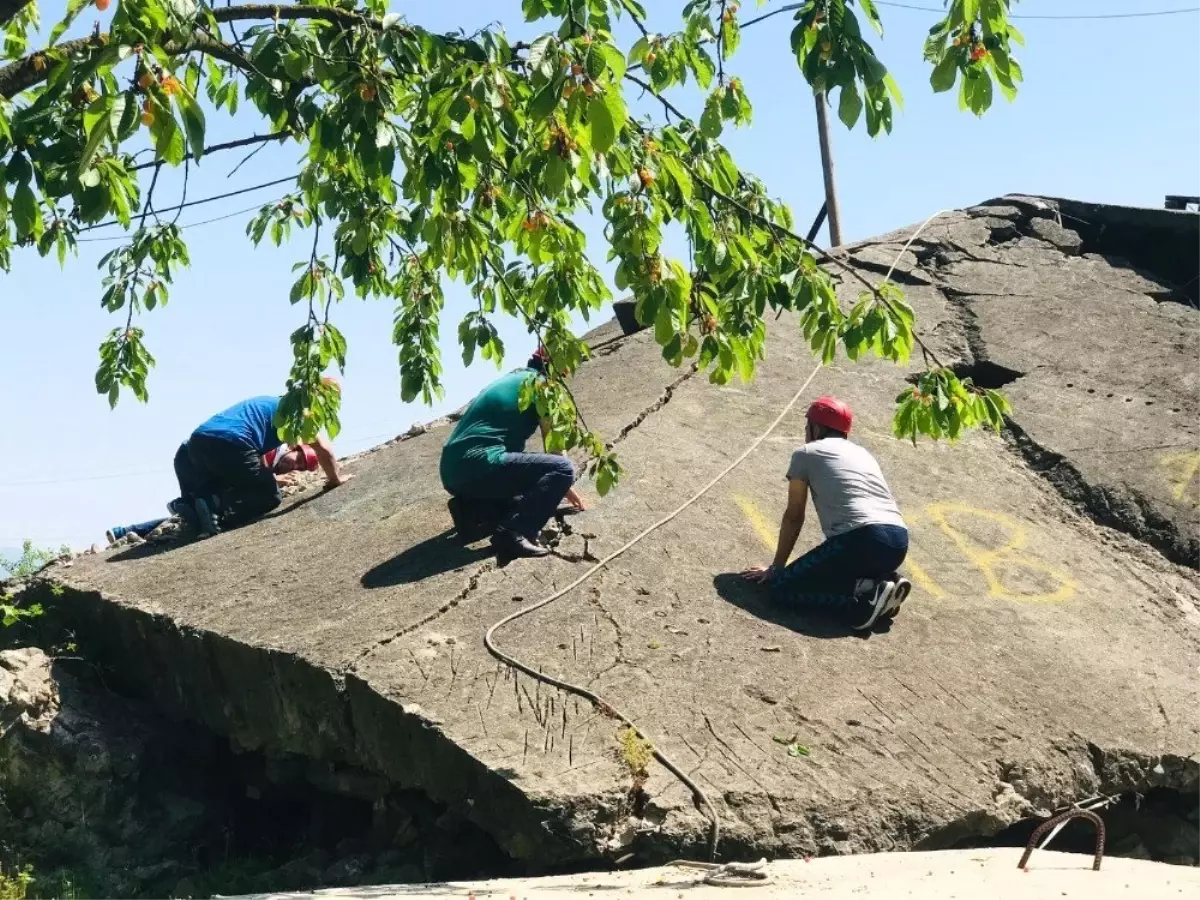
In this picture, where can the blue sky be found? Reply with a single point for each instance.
(1107, 113)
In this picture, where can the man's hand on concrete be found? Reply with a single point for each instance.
(759, 574)
(340, 478)
(575, 500)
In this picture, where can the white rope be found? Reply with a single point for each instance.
(489, 636)
(490, 643)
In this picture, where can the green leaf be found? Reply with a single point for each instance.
(74, 8)
(703, 67)
(944, 73)
(193, 122)
(679, 175)
(100, 120)
(168, 139)
(606, 117)
(850, 105)
(25, 212)
(604, 131)
(613, 59)
(711, 123)
(546, 99)
(894, 89)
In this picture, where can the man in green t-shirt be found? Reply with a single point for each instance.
(484, 461)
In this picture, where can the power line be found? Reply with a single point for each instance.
(1063, 17)
(202, 200)
(240, 212)
(941, 11)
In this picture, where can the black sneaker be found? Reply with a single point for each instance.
(208, 524)
(875, 605)
(899, 595)
(509, 543)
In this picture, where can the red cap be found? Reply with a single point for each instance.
(832, 413)
(309, 456)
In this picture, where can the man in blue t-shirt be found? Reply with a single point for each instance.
(223, 481)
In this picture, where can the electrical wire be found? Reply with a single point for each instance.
(201, 201)
(240, 212)
(1064, 17)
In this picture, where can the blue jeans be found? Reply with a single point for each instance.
(141, 529)
(825, 576)
(536, 481)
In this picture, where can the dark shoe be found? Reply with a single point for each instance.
(207, 518)
(899, 595)
(185, 512)
(874, 605)
(509, 543)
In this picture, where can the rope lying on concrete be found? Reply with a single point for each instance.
(489, 638)
(731, 874)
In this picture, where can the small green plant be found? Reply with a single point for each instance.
(31, 561)
(636, 752)
(15, 884)
(794, 748)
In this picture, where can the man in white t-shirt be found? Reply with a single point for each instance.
(854, 571)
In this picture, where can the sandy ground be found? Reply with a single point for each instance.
(946, 875)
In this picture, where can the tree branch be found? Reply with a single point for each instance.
(228, 145)
(10, 9)
(35, 67)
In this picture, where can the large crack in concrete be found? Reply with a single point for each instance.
(663, 399)
(1124, 509)
(469, 588)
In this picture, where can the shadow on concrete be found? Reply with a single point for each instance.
(154, 548)
(434, 556)
(151, 548)
(756, 599)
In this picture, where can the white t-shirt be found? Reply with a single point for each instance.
(847, 486)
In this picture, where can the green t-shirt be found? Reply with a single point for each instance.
(492, 425)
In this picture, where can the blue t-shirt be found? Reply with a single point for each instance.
(249, 423)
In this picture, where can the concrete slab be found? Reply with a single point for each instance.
(1043, 657)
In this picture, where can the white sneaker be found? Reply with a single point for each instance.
(864, 586)
(899, 595)
(883, 595)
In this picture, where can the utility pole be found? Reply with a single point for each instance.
(831, 203)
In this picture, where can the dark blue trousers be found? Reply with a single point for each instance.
(536, 482)
(825, 576)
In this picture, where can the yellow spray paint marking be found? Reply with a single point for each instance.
(990, 561)
(1185, 467)
(757, 521)
(1011, 555)
(919, 575)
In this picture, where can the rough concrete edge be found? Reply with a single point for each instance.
(1126, 510)
(1096, 772)
(265, 699)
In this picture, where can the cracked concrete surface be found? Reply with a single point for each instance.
(1042, 658)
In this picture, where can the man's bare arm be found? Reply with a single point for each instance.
(333, 474)
(792, 521)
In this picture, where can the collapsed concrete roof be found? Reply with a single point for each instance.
(1045, 656)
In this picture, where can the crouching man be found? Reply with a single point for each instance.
(489, 475)
(224, 480)
(853, 573)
